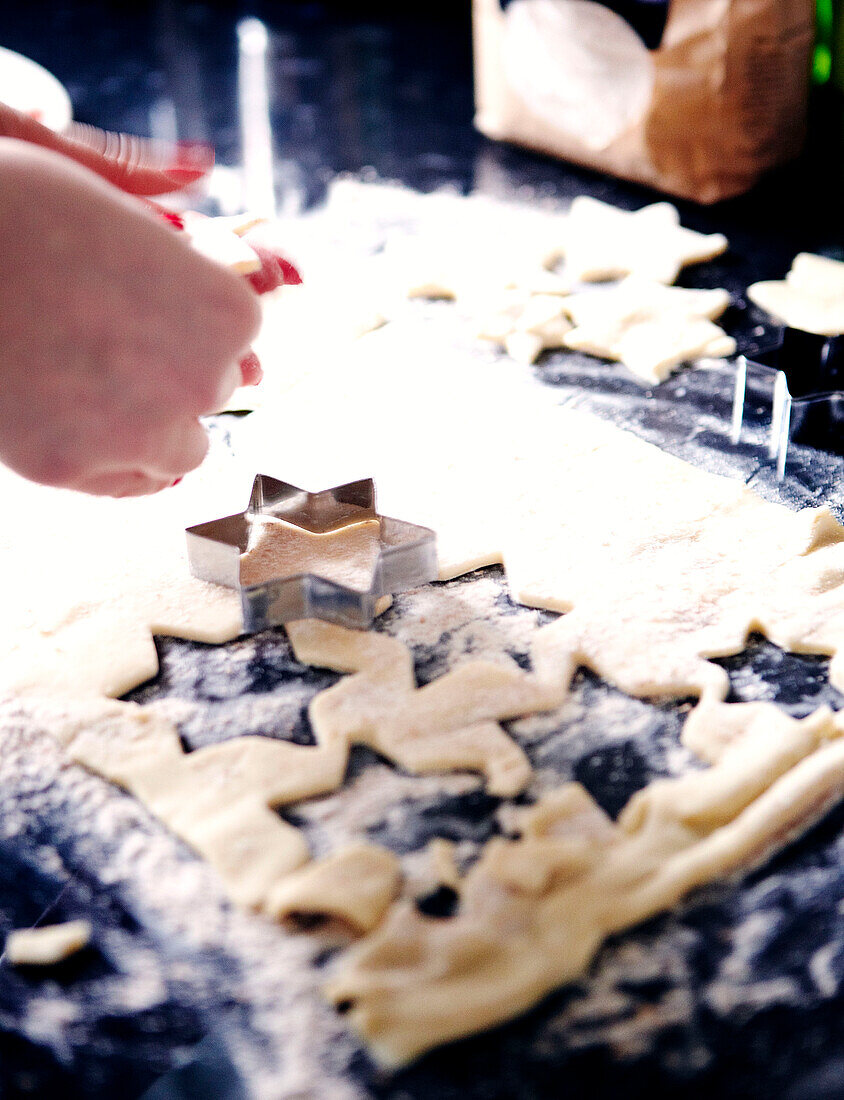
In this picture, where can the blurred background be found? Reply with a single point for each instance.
(351, 87)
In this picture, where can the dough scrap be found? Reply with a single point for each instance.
(600, 241)
(648, 327)
(221, 799)
(47, 945)
(450, 724)
(534, 911)
(355, 885)
(811, 297)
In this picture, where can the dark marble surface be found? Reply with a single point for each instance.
(740, 993)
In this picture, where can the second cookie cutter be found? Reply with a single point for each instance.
(802, 376)
(406, 555)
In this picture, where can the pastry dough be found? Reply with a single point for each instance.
(525, 325)
(534, 911)
(279, 549)
(47, 945)
(648, 327)
(221, 799)
(599, 241)
(657, 565)
(811, 296)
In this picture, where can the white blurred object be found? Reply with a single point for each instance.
(579, 66)
(255, 126)
(28, 87)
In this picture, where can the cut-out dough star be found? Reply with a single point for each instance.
(525, 325)
(811, 297)
(279, 549)
(648, 327)
(602, 242)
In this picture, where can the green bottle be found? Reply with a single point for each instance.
(825, 28)
(837, 44)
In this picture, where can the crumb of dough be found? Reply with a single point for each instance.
(49, 944)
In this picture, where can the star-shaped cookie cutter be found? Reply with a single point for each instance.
(806, 375)
(406, 555)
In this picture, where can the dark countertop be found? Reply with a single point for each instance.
(738, 1002)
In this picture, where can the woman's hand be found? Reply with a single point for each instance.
(114, 335)
(191, 159)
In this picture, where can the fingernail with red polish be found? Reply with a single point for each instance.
(191, 159)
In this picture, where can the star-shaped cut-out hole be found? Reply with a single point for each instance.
(299, 555)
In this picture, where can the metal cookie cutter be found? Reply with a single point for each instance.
(806, 374)
(402, 556)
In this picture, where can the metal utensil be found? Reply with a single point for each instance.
(404, 554)
(802, 375)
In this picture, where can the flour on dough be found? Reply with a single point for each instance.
(279, 549)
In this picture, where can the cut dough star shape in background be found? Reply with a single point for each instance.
(648, 327)
(525, 325)
(811, 297)
(601, 242)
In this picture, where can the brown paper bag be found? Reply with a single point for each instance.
(695, 97)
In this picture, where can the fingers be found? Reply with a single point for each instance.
(170, 456)
(226, 386)
(143, 337)
(122, 483)
(250, 369)
(184, 449)
(191, 161)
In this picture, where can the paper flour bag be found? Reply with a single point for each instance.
(696, 97)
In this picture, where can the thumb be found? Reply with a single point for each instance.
(190, 161)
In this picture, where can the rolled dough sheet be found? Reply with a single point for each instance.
(657, 564)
